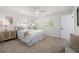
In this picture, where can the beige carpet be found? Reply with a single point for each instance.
(47, 45)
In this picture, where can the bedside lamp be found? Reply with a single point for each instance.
(33, 25)
(6, 23)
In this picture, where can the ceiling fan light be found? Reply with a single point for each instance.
(36, 12)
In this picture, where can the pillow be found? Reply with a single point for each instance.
(23, 32)
(19, 28)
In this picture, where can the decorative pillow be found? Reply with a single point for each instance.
(18, 28)
(26, 33)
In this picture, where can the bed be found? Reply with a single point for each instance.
(30, 36)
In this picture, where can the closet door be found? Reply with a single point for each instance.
(67, 26)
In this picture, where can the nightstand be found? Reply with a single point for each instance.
(6, 35)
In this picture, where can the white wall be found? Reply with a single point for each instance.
(16, 16)
(56, 19)
(55, 28)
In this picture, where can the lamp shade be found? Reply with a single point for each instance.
(6, 22)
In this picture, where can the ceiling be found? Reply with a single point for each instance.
(30, 10)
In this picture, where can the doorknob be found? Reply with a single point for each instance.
(61, 28)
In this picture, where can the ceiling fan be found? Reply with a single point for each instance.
(38, 11)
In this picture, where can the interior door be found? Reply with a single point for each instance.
(67, 26)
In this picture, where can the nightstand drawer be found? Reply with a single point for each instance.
(5, 35)
(0, 36)
(13, 34)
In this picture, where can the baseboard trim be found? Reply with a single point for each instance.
(54, 36)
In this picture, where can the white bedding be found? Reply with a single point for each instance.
(32, 37)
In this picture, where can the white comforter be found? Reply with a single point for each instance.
(32, 37)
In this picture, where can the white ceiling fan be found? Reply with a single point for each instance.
(38, 11)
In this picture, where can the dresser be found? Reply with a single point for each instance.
(6, 35)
